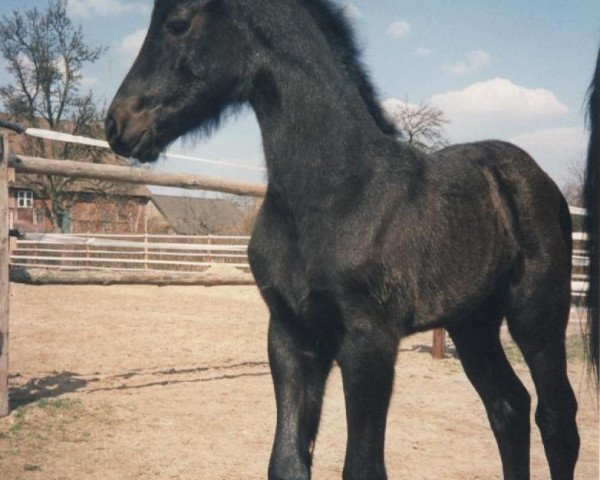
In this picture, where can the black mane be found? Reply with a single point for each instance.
(332, 21)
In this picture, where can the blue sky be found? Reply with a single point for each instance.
(505, 69)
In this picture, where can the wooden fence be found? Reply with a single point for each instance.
(126, 259)
(172, 253)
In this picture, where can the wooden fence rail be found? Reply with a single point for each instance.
(69, 168)
(45, 276)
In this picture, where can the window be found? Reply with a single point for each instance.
(24, 199)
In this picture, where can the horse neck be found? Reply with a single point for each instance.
(317, 133)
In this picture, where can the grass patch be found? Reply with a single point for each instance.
(32, 430)
(9, 452)
(41, 421)
(54, 406)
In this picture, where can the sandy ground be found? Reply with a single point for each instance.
(173, 383)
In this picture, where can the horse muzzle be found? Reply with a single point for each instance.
(130, 130)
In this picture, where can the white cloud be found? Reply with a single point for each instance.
(554, 149)
(552, 137)
(500, 109)
(423, 52)
(131, 44)
(352, 11)
(473, 60)
(499, 96)
(87, 8)
(399, 29)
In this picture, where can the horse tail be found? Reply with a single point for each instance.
(591, 200)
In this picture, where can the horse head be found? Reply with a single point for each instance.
(194, 62)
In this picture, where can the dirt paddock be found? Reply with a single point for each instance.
(131, 382)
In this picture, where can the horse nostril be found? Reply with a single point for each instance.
(112, 128)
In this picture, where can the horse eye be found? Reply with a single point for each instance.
(178, 26)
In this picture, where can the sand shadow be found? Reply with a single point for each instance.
(165, 383)
(59, 383)
(45, 387)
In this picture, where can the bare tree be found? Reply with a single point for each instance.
(45, 54)
(421, 125)
(572, 187)
(249, 213)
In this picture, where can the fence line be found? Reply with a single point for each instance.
(162, 246)
(108, 252)
(43, 276)
(43, 236)
(56, 251)
(175, 252)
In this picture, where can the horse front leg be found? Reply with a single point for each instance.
(299, 368)
(366, 358)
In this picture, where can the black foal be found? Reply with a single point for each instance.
(361, 239)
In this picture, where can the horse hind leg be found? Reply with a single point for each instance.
(506, 400)
(537, 319)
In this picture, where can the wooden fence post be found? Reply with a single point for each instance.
(145, 250)
(4, 275)
(437, 351)
(209, 258)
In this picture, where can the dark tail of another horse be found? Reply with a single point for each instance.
(591, 198)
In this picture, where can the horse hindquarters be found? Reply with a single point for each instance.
(538, 306)
(535, 298)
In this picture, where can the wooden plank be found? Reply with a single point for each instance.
(146, 261)
(88, 252)
(4, 276)
(437, 351)
(42, 276)
(70, 168)
(242, 238)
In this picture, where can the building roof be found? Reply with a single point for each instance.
(199, 216)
